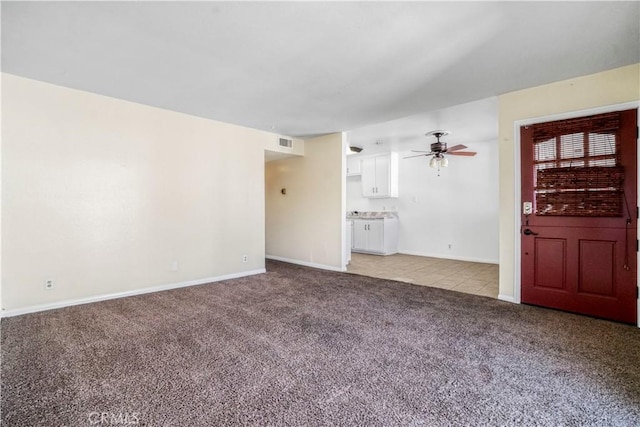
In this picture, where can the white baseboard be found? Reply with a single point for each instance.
(87, 300)
(508, 299)
(457, 258)
(305, 263)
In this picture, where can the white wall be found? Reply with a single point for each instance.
(103, 196)
(273, 150)
(297, 145)
(457, 208)
(306, 225)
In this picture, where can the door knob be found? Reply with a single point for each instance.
(529, 232)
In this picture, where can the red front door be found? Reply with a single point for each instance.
(578, 215)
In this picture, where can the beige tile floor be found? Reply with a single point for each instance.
(462, 276)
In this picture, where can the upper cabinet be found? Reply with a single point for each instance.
(353, 166)
(380, 175)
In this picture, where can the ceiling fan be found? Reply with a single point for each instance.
(438, 149)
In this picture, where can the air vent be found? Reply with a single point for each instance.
(285, 143)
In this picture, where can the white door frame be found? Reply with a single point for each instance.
(518, 181)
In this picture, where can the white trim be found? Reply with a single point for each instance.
(517, 171)
(306, 263)
(507, 298)
(87, 300)
(456, 258)
(344, 252)
(517, 193)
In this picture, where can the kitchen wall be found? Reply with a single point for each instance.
(454, 215)
(611, 87)
(306, 225)
(108, 197)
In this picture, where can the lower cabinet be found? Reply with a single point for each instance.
(379, 236)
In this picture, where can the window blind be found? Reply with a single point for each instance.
(576, 167)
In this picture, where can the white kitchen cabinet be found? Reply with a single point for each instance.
(380, 175)
(360, 238)
(353, 166)
(379, 236)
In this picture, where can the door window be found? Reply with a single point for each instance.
(576, 167)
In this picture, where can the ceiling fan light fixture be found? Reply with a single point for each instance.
(354, 149)
(438, 150)
(438, 133)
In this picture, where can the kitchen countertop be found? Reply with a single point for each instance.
(371, 215)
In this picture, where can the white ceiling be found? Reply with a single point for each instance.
(308, 68)
(471, 124)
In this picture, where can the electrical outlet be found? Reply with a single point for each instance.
(48, 284)
(245, 258)
(449, 245)
(174, 266)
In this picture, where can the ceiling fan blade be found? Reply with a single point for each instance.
(456, 147)
(417, 155)
(420, 151)
(462, 153)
